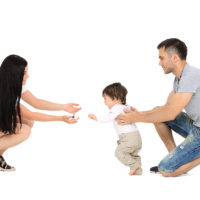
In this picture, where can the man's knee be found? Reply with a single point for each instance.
(161, 127)
(166, 166)
(158, 124)
(167, 174)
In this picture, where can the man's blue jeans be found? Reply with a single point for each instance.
(186, 151)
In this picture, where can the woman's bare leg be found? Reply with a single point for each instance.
(10, 140)
(29, 123)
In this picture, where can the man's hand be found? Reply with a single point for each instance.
(128, 117)
(71, 108)
(70, 120)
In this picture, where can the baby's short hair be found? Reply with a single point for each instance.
(116, 91)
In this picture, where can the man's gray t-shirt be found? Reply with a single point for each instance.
(189, 82)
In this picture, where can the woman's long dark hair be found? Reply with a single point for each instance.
(11, 78)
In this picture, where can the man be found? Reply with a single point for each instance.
(185, 95)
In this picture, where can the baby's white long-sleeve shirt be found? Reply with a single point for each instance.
(114, 112)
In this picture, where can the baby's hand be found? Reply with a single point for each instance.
(91, 116)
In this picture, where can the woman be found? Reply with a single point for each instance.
(16, 120)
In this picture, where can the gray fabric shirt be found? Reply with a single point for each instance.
(189, 82)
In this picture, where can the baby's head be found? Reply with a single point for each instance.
(113, 94)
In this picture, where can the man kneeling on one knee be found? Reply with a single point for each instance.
(185, 95)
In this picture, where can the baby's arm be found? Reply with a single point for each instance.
(114, 112)
(106, 118)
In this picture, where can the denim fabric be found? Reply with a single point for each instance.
(188, 150)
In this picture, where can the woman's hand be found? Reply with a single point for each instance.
(71, 108)
(91, 116)
(70, 119)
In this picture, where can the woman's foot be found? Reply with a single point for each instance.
(137, 171)
(4, 166)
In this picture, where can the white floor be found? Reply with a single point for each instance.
(81, 165)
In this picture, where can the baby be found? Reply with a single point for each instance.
(129, 143)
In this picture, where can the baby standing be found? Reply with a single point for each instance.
(129, 143)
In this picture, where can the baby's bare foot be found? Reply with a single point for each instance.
(137, 171)
(132, 172)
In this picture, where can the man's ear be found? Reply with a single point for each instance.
(175, 58)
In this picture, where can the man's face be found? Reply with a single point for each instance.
(165, 61)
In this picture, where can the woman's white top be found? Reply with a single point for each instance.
(24, 89)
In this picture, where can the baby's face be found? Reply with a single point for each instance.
(109, 101)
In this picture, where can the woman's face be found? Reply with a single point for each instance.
(25, 75)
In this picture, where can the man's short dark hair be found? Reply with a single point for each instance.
(176, 46)
(116, 91)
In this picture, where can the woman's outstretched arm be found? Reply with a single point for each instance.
(41, 104)
(37, 116)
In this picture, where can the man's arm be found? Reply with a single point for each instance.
(174, 105)
(169, 99)
(46, 105)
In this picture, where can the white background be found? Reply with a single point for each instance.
(74, 49)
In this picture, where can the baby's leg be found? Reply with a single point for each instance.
(127, 152)
(136, 171)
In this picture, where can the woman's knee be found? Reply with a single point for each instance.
(25, 131)
(31, 123)
(25, 121)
